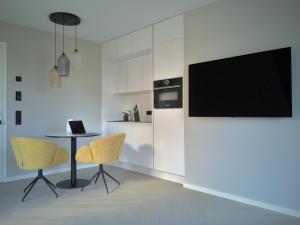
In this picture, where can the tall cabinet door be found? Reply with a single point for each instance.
(169, 48)
(142, 39)
(169, 123)
(169, 60)
(169, 140)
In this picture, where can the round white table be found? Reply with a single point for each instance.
(73, 182)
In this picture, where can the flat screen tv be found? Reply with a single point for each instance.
(253, 85)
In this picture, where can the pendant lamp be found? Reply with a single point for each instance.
(63, 63)
(64, 19)
(55, 80)
(75, 58)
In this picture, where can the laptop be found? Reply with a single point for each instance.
(77, 127)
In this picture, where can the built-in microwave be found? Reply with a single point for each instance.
(168, 93)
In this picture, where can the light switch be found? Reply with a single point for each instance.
(18, 96)
(18, 117)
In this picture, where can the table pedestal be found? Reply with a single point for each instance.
(66, 184)
(73, 182)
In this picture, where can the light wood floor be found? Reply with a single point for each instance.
(141, 200)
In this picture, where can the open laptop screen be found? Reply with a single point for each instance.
(77, 127)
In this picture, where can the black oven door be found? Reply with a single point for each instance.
(168, 97)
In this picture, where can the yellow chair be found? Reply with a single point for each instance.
(102, 151)
(34, 154)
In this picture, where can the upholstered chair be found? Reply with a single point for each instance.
(102, 151)
(35, 154)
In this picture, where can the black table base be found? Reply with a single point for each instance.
(66, 184)
(73, 182)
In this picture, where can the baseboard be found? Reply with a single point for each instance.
(151, 172)
(244, 200)
(47, 172)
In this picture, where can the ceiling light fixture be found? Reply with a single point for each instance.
(64, 19)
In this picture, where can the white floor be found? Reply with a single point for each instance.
(139, 200)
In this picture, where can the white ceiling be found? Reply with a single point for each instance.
(101, 19)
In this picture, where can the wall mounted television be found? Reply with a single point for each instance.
(253, 85)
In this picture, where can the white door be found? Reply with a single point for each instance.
(169, 140)
(3, 95)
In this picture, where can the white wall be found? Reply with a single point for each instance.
(255, 158)
(31, 55)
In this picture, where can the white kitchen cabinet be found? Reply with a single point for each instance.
(169, 140)
(147, 64)
(135, 80)
(168, 30)
(121, 77)
(124, 45)
(169, 59)
(142, 39)
(109, 50)
(110, 129)
(138, 147)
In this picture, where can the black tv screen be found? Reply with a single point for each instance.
(253, 85)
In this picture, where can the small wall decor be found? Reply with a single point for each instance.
(18, 96)
(18, 79)
(18, 117)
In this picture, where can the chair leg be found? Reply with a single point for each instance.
(97, 177)
(49, 185)
(90, 180)
(49, 182)
(34, 182)
(111, 177)
(104, 182)
(102, 172)
(29, 185)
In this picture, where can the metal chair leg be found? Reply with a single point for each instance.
(49, 182)
(97, 177)
(112, 177)
(102, 172)
(49, 185)
(90, 180)
(34, 182)
(29, 185)
(104, 182)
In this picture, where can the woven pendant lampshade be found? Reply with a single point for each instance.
(55, 80)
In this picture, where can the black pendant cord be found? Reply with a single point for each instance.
(55, 47)
(76, 39)
(63, 36)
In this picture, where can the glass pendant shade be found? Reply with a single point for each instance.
(63, 65)
(55, 80)
(75, 61)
